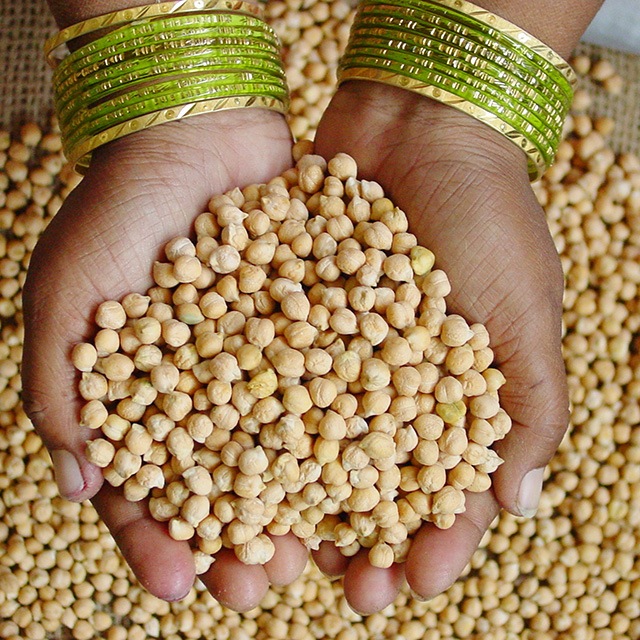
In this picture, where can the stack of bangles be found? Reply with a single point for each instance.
(457, 53)
(159, 63)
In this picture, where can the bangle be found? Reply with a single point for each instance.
(491, 56)
(161, 32)
(146, 12)
(81, 153)
(485, 83)
(166, 95)
(161, 68)
(186, 61)
(459, 54)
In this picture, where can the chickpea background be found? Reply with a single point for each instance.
(569, 574)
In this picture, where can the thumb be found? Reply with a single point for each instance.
(53, 323)
(535, 396)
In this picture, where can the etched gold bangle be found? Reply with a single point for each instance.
(161, 68)
(145, 12)
(464, 56)
(102, 85)
(81, 153)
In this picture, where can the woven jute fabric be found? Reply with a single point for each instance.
(25, 79)
(623, 108)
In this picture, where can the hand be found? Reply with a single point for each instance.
(140, 192)
(467, 196)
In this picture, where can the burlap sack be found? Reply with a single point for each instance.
(25, 79)
(623, 108)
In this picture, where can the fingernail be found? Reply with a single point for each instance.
(418, 597)
(529, 493)
(67, 473)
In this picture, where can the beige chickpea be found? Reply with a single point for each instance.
(110, 315)
(449, 390)
(117, 367)
(100, 452)
(373, 327)
(84, 356)
(106, 341)
(300, 335)
(322, 391)
(259, 331)
(376, 374)
(93, 414)
(436, 284)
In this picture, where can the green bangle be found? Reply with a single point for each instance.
(498, 31)
(166, 95)
(505, 108)
(132, 63)
(491, 77)
(80, 154)
(477, 53)
(177, 103)
(535, 162)
(164, 68)
(117, 43)
(139, 72)
(69, 73)
(487, 57)
(460, 54)
(144, 13)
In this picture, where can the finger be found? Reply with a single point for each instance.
(330, 561)
(369, 589)
(50, 384)
(437, 557)
(288, 562)
(535, 397)
(235, 585)
(163, 566)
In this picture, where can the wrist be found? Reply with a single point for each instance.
(383, 117)
(557, 23)
(218, 150)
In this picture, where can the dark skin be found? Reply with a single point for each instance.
(467, 195)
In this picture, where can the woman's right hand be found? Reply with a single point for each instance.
(140, 191)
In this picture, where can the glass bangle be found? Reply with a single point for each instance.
(136, 61)
(82, 105)
(145, 12)
(105, 46)
(439, 82)
(463, 37)
(90, 128)
(91, 121)
(463, 12)
(482, 70)
(536, 164)
(149, 46)
(512, 64)
(80, 154)
(176, 101)
(427, 18)
(463, 85)
(95, 89)
(468, 58)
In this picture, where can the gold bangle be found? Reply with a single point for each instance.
(383, 48)
(81, 154)
(145, 12)
(516, 33)
(536, 163)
